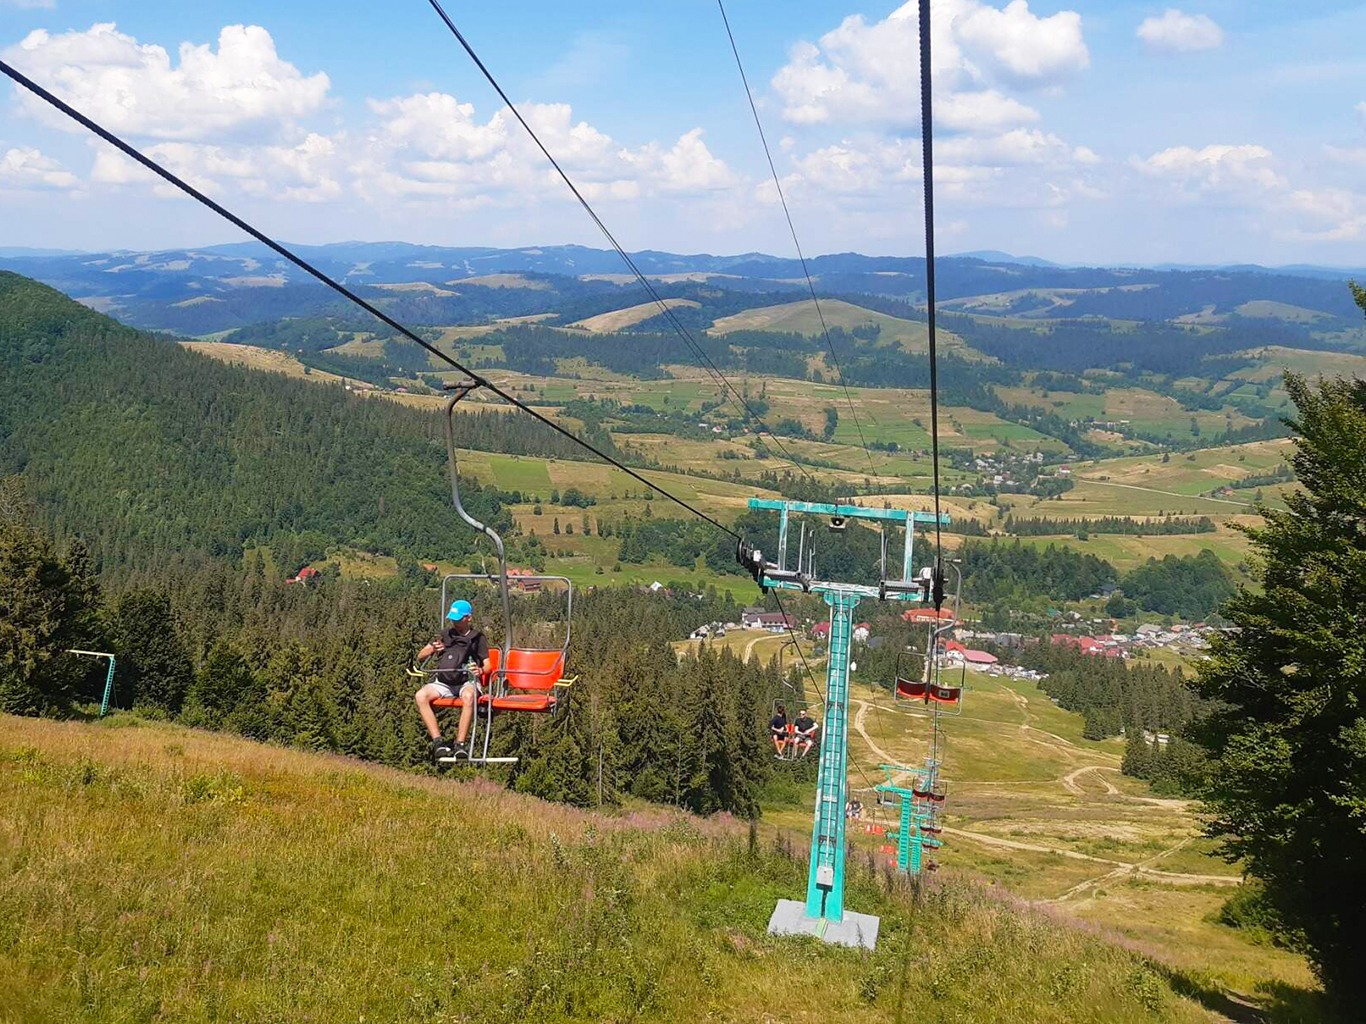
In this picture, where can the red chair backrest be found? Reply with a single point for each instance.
(910, 690)
(534, 670)
(495, 656)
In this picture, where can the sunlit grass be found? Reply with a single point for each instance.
(156, 873)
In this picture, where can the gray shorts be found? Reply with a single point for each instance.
(445, 690)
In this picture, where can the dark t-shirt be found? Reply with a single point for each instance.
(456, 650)
(805, 723)
(778, 723)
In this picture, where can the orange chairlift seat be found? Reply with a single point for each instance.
(918, 676)
(534, 674)
(518, 678)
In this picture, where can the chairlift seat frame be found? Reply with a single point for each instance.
(529, 680)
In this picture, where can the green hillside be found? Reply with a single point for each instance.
(157, 873)
(155, 454)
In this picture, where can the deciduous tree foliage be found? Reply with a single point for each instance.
(1288, 793)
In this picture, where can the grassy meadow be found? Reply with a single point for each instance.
(157, 873)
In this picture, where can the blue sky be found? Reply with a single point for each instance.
(1105, 132)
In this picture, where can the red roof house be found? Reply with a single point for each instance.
(927, 615)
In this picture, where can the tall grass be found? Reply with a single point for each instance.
(154, 873)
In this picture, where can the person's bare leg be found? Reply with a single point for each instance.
(423, 700)
(469, 697)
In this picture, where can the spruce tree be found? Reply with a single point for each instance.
(152, 656)
(224, 678)
(42, 612)
(1287, 792)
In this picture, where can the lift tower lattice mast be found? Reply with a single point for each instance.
(823, 913)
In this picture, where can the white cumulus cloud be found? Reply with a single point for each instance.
(865, 72)
(134, 88)
(1178, 32)
(307, 172)
(433, 145)
(1215, 166)
(27, 168)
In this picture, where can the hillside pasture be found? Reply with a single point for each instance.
(205, 898)
(1193, 473)
(618, 319)
(801, 317)
(1274, 360)
(1135, 408)
(1126, 552)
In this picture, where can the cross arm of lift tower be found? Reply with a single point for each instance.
(906, 585)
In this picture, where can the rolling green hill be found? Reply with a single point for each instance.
(156, 454)
(155, 872)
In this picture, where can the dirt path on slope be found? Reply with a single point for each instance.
(1069, 781)
(1121, 867)
(749, 648)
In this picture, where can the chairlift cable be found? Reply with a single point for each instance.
(664, 307)
(156, 168)
(777, 183)
(927, 160)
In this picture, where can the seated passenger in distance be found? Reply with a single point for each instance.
(806, 733)
(777, 729)
(463, 662)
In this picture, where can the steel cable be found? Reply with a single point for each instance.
(20, 79)
(777, 183)
(664, 307)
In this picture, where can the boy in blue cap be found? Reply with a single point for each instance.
(463, 662)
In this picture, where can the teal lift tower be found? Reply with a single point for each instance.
(823, 914)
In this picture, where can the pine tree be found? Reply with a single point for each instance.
(560, 768)
(1287, 791)
(1137, 761)
(152, 657)
(42, 611)
(224, 679)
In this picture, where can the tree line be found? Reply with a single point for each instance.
(321, 667)
(1043, 526)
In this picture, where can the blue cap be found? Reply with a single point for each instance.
(459, 610)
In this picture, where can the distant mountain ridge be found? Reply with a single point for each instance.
(221, 287)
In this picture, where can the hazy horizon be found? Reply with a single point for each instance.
(1087, 133)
